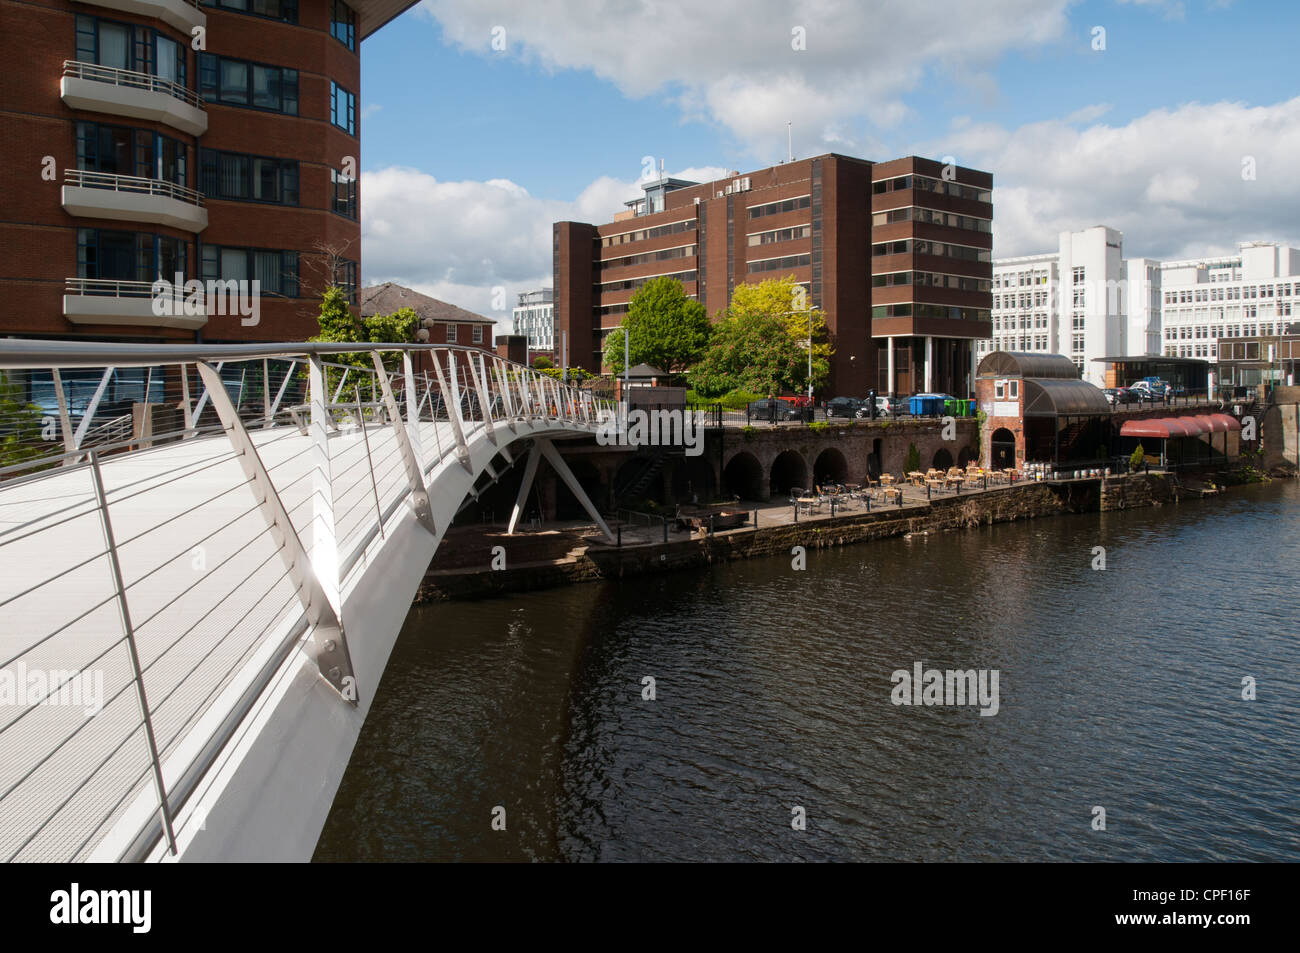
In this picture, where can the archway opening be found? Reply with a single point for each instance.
(694, 480)
(966, 456)
(743, 477)
(1002, 449)
(942, 459)
(788, 471)
(830, 467)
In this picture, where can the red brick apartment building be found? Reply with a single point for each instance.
(148, 137)
(898, 254)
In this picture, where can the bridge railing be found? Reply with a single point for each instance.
(153, 581)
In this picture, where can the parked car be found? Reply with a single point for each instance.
(1119, 396)
(1149, 390)
(843, 407)
(768, 408)
(885, 407)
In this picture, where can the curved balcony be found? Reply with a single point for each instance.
(125, 92)
(184, 15)
(106, 301)
(130, 198)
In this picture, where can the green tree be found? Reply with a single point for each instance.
(665, 329)
(913, 462)
(1137, 459)
(749, 352)
(760, 343)
(338, 325)
(541, 362)
(20, 425)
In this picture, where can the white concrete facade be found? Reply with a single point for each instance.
(1083, 300)
(1255, 293)
(534, 317)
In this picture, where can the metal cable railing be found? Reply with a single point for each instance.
(146, 647)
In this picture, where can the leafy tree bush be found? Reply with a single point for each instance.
(665, 328)
(20, 425)
(338, 325)
(760, 346)
(913, 458)
(1136, 459)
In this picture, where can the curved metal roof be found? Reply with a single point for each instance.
(1062, 398)
(1026, 364)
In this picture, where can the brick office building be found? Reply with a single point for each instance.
(233, 162)
(896, 254)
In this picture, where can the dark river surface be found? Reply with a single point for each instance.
(1119, 689)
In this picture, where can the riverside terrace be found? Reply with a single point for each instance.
(477, 561)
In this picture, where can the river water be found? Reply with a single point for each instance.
(1119, 689)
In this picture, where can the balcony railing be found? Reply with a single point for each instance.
(131, 79)
(134, 184)
(109, 288)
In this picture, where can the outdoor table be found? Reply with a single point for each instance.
(808, 502)
(886, 479)
(917, 477)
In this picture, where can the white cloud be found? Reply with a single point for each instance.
(461, 241)
(735, 63)
(1171, 180)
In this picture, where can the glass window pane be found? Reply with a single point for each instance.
(166, 58)
(266, 87)
(234, 81)
(114, 45)
(267, 266)
(234, 264)
(266, 178)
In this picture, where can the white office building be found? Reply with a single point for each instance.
(1252, 294)
(1083, 300)
(534, 317)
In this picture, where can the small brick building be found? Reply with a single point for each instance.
(1038, 411)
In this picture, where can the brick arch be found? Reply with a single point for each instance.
(745, 475)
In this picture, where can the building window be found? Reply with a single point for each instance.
(246, 178)
(478, 334)
(284, 10)
(343, 194)
(776, 264)
(122, 150)
(130, 46)
(275, 271)
(1078, 275)
(777, 208)
(129, 256)
(343, 24)
(343, 108)
(234, 82)
(451, 334)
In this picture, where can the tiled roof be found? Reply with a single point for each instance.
(389, 297)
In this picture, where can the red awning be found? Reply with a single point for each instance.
(1209, 424)
(1150, 427)
(1187, 425)
(1163, 427)
(1228, 421)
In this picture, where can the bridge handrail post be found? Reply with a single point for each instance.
(415, 478)
(330, 642)
(453, 408)
(128, 629)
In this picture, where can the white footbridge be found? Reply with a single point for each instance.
(205, 561)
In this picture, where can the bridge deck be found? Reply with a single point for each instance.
(205, 589)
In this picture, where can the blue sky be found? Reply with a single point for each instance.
(1148, 135)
